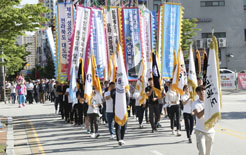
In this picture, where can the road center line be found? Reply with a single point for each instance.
(36, 146)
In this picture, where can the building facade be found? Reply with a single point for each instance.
(227, 19)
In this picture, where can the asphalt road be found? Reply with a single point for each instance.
(38, 130)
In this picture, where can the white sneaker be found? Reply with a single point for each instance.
(122, 142)
(173, 133)
(112, 136)
(93, 135)
(178, 133)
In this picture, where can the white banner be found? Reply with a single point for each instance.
(227, 80)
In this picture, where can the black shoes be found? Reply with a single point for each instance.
(190, 141)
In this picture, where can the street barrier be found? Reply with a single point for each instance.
(228, 80)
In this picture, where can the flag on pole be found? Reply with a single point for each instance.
(81, 76)
(114, 67)
(178, 75)
(141, 83)
(156, 76)
(205, 64)
(198, 63)
(88, 83)
(121, 88)
(213, 97)
(95, 79)
(192, 80)
(72, 85)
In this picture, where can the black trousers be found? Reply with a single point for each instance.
(120, 131)
(93, 122)
(154, 114)
(140, 113)
(189, 123)
(62, 106)
(77, 114)
(56, 103)
(52, 96)
(175, 110)
(29, 96)
(68, 110)
(132, 107)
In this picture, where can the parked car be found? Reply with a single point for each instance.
(226, 71)
(243, 71)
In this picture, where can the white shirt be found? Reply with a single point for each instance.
(199, 106)
(109, 103)
(29, 86)
(13, 89)
(172, 96)
(96, 99)
(136, 96)
(188, 105)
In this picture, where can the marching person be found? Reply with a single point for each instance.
(21, 89)
(93, 113)
(187, 112)
(154, 112)
(204, 138)
(172, 98)
(42, 89)
(13, 92)
(110, 109)
(139, 108)
(30, 87)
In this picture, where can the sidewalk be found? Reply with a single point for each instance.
(3, 134)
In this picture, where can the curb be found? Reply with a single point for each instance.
(10, 137)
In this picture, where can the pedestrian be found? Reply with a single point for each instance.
(187, 112)
(42, 90)
(30, 87)
(93, 113)
(110, 109)
(21, 89)
(154, 112)
(13, 92)
(52, 90)
(172, 98)
(36, 91)
(204, 138)
(68, 103)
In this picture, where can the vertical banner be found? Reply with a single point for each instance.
(132, 41)
(146, 38)
(65, 19)
(169, 36)
(242, 80)
(80, 38)
(52, 47)
(98, 41)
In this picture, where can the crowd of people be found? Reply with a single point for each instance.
(102, 108)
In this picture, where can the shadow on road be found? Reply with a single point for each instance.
(233, 115)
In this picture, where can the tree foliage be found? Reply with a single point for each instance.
(14, 22)
(188, 32)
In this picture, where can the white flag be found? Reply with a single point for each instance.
(121, 88)
(88, 83)
(213, 89)
(192, 80)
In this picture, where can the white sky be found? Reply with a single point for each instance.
(23, 2)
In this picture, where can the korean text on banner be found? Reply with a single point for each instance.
(169, 36)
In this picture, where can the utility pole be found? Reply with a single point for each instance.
(2, 80)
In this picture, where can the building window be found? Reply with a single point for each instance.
(212, 3)
(217, 34)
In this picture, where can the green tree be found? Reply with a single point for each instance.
(14, 22)
(188, 32)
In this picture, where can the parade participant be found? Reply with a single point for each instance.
(29, 87)
(52, 90)
(68, 106)
(187, 112)
(80, 105)
(21, 90)
(204, 138)
(132, 99)
(110, 109)
(161, 107)
(93, 113)
(172, 98)
(13, 92)
(63, 104)
(36, 91)
(42, 89)
(199, 81)
(139, 108)
(154, 112)
(57, 85)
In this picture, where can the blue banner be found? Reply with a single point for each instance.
(132, 42)
(170, 36)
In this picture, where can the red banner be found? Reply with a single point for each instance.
(242, 80)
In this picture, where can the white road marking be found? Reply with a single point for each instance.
(156, 152)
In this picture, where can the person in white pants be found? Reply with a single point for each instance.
(204, 138)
